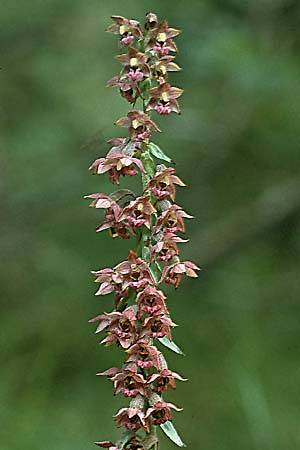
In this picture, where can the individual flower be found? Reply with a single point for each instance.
(161, 412)
(144, 355)
(117, 164)
(128, 29)
(164, 380)
(124, 85)
(172, 219)
(121, 327)
(157, 327)
(163, 183)
(151, 301)
(129, 383)
(135, 65)
(161, 39)
(174, 273)
(131, 418)
(162, 66)
(139, 125)
(111, 219)
(135, 272)
(113, 224)
(107, 444)
(166, 247)
(163, 99)
(138, 212)
(109, 280)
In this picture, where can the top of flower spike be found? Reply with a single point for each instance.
(151, 20)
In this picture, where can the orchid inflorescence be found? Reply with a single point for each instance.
(140, 318)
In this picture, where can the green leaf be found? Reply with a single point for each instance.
(158, 153)
(155, 270)
(169, 429)
(149, 166)
(158, 267)
(153, 273)
(145, 253)
(170, 345)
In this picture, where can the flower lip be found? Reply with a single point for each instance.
(131, 418)
(161, 412)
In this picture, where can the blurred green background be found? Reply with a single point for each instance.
(237, 147)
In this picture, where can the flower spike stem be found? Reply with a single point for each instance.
(140, 321)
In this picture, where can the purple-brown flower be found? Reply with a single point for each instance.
(135, 65)
(144, 355)
(113, 224)
(125, 86)
(128, 29)
(139, 124)
(162, 66)
(151, 301)
(117, 164)
(161, 412)
(121, 327)
(129, 383)
(166, 247)
(138, 212)
(109, 280)
(161, 39)
(163, 99)
(163, 184)
(135, 272)
(131, 418)
(172, 220)
(164, 380)
(174, 273)
(112, 215)
(157, 327)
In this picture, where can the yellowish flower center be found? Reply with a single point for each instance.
(165, 96)
(119, 165)
(133, 62)
(161, 37)
(123, 29)
(135, 124)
